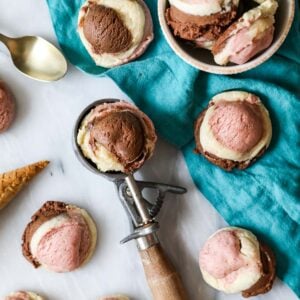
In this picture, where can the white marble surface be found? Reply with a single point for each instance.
(43, 128)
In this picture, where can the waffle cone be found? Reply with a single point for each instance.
(11, 183)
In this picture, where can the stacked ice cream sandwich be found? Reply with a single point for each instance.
(233, 34)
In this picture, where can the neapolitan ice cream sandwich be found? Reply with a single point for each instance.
(201, 21)
(60, 237)
(115, 32)
(22, 295)
(233, 261)
(234, 130)
(117, 137)
(248, 36)
(7, 107)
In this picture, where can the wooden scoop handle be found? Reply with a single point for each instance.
(163, 280)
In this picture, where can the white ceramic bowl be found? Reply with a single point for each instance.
(203, 60)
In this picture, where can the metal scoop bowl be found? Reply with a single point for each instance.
(162, 278)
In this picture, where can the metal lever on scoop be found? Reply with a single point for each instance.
(162, 278)
(143, 211)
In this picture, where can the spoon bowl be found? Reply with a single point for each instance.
(36, 58)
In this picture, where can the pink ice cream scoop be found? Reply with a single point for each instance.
(64, 248)
(237, 125)
(230, 260)
(252, 33)
(60, 237)
(7, 107)
(243, 53)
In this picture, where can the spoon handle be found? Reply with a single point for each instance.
(4, 39)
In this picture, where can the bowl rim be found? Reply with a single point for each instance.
(222, 70)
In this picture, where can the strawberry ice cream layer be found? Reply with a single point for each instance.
(243, 47)
(230, 260)
(62, 243)
(204, 7)
(248, 36)
(237, 125)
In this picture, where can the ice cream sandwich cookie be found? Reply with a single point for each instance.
(252, 33)
(115, 32)
(233, 261)
(234, 130)
(60, 237)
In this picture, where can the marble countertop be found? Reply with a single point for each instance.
(43, 130)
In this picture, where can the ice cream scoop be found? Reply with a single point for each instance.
(233, 261)
(115, 32)
(200, 21)
(22, 295)
(248, 36)
(60, 237)
(7, 107)
(162, 278)
(117, 137)
(234, 130)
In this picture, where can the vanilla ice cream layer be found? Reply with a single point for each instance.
(44, 229)
(231, 280)
(204, 7)
(34, 296)
(133, 17)
(257, 21)
(210, 144)
(58, 222)
(104, 160)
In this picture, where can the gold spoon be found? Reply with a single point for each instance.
(36, 58)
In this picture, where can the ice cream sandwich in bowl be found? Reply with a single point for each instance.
(228, 36)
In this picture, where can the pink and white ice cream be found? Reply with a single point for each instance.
(248, 36)
(234, 130)
(232, 260)
(115, 32)
(60, 237)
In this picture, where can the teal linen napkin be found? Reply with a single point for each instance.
(263, 198)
